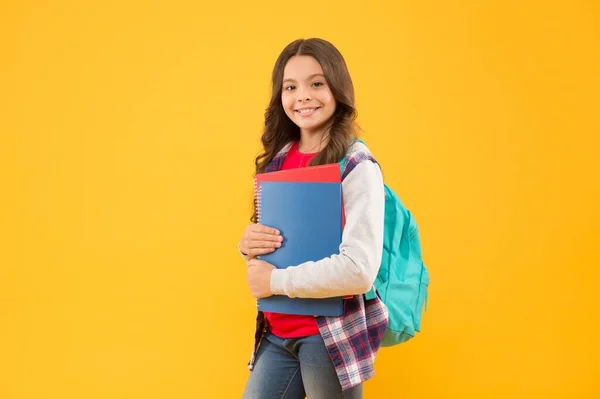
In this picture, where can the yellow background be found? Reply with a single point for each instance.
(129, 131)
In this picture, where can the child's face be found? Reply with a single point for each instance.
(305, 88)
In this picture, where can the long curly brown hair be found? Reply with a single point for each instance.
(279, 130)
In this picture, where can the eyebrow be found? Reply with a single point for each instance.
(309, 78)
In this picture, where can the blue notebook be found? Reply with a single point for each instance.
(309, 216)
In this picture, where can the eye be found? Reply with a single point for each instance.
(318, 84)
(289, 88)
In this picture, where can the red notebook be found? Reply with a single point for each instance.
(329, 173)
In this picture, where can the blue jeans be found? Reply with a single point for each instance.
(294, 369)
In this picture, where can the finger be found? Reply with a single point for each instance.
(252, 244)
(261, 251)
(264, 237)
(259, 228)
(263, 244)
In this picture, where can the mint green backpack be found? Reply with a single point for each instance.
(403, 280)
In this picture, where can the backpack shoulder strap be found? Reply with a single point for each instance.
(347, 165)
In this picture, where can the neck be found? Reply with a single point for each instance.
(311, 142)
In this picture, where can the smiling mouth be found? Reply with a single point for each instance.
(306, 111)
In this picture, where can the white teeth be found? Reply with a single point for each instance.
(306, 111)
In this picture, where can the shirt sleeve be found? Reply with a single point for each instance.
(354, 269)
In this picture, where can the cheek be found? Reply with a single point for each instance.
(286, 101)
(327, 98)
(329, 102)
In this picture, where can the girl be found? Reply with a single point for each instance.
(310, 121)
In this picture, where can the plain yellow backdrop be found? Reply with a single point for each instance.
(128, 135)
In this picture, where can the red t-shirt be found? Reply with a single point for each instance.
(286, 325)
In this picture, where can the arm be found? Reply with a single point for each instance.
(354, 269)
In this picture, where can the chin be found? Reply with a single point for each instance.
(308, 125)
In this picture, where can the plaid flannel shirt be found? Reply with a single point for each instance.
(353, 339)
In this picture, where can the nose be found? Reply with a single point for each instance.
(303, 95)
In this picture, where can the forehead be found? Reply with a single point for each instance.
(301, 67)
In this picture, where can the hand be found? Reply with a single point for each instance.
(259, 278)
(260, 240)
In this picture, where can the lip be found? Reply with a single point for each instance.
(306, 114)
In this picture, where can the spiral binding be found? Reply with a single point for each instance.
(257, 192)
